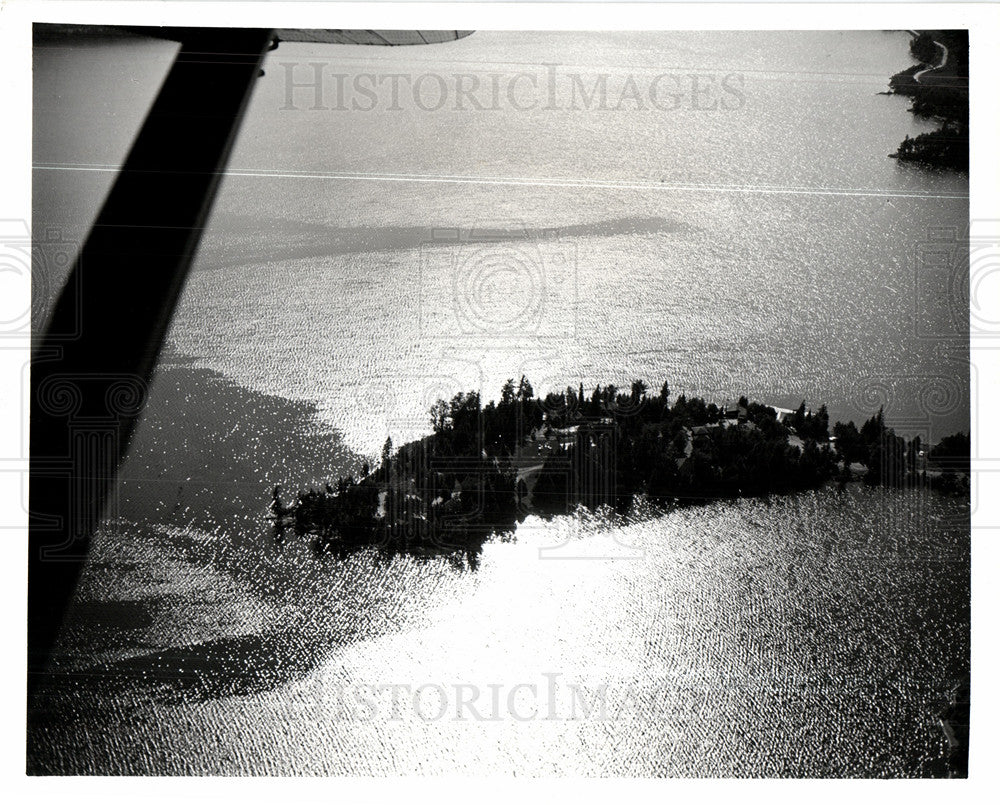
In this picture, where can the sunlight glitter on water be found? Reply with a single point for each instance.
(801, 636)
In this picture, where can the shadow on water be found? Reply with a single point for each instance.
(293, 240)
(205, 448)
(227, 666)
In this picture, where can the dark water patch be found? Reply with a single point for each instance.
(226, 666)
(207, 450)
(294, 240)
(114, 614)
(229, 666)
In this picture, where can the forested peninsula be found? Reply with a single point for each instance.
(485, 467)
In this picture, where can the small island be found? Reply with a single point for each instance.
(485, 467)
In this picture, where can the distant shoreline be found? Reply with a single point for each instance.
(939, 86)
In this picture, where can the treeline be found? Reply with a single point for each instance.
(414, 503)
(451, 490)
(891, 460)
(947, 147)
(941, 95)
(629, 443)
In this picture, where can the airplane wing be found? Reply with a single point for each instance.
(391, 38)
(90, 370)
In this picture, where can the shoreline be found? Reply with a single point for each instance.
(939, 87)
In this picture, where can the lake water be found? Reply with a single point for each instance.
(766, 246)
